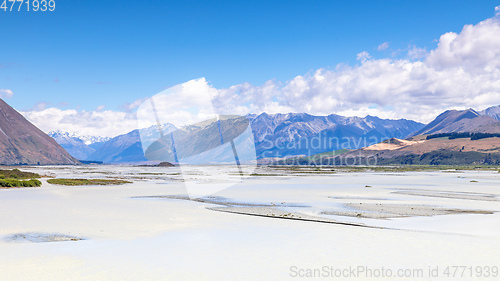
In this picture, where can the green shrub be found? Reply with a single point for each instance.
(17, 174)
(86, 181)
(9, 183)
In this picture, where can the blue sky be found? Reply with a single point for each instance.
(91, 53)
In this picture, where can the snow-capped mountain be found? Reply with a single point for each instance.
(78, 146)
(276, 135)
(87, 139)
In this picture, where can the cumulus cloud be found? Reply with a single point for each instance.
(463, 71)
(106, 123)
(363, 56)
(130, 106)
(475, 49)
(383, 46)
(181, 105)
(416, 53)
(6, 93)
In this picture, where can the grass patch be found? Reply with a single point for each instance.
(444, 158)
(12, 183)
(16, 178)
(266, 175)
(389, 168)
(17, 174)
(313, 159)
(73, 182)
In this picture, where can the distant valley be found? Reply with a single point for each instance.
(276, 136)
(300, 135)
(455, 137)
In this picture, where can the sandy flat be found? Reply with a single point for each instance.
(256, 229)
(450, 194)
(386, 211)
(41, 238)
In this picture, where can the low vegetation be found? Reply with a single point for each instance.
(440, 157)
(17, 174)
(445, 157)
(16, 178)
(72, 182)
(308, 160)
(472, 136)
(388, 168)
(10, 183)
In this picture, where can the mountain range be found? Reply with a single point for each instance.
(275, 135)
(80, 147)
(127, 148)
(280, 136)
(462, 136)
(455, 137)
(284, 135)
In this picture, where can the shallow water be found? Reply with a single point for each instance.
(133, 235)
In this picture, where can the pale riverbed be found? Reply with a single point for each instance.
(281, 227)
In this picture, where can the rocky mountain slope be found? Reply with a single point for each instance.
(275, 135)
(493, 112)
(23, 143)
(453, 138)
(282, 135)
(295, 134)
(459, 121)
(127, 148)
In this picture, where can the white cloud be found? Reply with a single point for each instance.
(497, 10)
(416, 53)
(383, 46)
(130, 106)
(6, 93)
(39, 106)
(475, 49)
(463, 71)
(363, 56)
(181, 105)
(106, 123)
